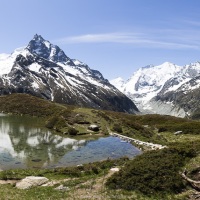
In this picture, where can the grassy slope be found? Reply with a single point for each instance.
(27, 104)
(63, 117)
(152, 128)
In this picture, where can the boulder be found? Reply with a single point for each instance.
(62, 188)
(115, 169)
(31, 181)
(93, 127)
(178, 132)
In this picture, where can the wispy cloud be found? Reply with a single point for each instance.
(106, 37)
(169, 39)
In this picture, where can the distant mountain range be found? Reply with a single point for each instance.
(43, 69)
(165, 89)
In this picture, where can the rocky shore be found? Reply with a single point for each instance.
(139, 142)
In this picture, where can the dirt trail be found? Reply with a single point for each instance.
(93, 189)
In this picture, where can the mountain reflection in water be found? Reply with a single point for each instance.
(25, 143)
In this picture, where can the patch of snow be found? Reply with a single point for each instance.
(4, 56)
(69, 69)
(34, 67)
(78, 62)
(53, 51)
(76, 72)
(47, 44)
(118, 83)
(35, 85)
(7, 61)
(189, 87)
(58, 84)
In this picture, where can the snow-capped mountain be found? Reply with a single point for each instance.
(43, 69)
(157, 89)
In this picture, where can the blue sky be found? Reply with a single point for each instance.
(115, 37)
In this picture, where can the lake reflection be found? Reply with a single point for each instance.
(25, 143)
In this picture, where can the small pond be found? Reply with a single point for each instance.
(25, 143)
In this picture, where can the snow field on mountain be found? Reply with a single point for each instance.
(149, 82)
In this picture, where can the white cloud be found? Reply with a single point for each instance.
(169, 39)
(107, 37)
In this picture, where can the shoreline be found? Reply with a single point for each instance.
(152, 146)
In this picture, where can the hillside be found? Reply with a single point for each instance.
(61, 117)
(152, 175)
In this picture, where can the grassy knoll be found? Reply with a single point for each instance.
(28, 105)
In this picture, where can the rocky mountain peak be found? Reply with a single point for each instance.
(147, 67)
(43, 48)
(42, 69)
(38, 37)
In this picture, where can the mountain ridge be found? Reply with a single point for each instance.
(43, 69)
(158, 89)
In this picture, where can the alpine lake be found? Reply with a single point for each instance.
(26, 143)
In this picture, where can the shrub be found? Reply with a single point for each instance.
(60, 123)
(155, 171)
(50, 123)
(103, 115)
(72, 131)
(57, 123)
(117, 128)
(162, 129)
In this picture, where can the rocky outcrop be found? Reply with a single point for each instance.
(94, 127)
(31, 181)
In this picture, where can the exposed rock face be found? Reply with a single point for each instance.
(42, 69)
(31, 181)
(186, 97)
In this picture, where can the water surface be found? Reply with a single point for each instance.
(25, 143)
